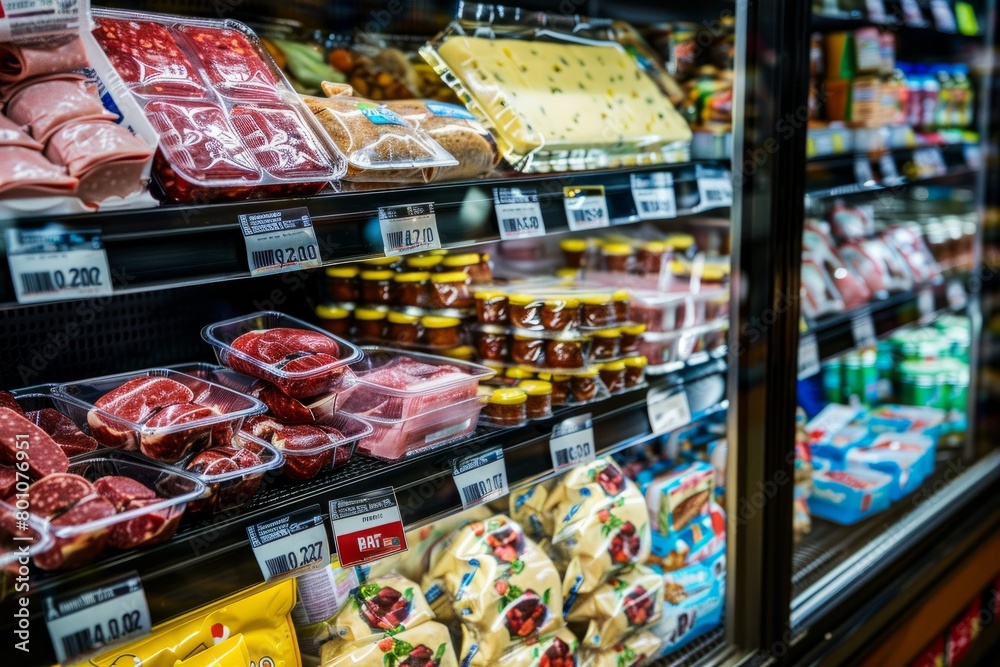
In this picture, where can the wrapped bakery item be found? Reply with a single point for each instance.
(529, 507)
(625, 604)
(635, 651)
(558, 649)
(383, 606)
(457, 131)
(377, 143)
(501, 587)
(427, 645)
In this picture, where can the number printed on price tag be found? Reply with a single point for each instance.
(481, 478)
(367, 527)
(408, 228)
(291, 544)
(519, 215)
(83, 624)
(808, 356)
(279, 241)
(586, 207)
(667, 413)
(572, 442)
(654, 196)
(863, 328)
(53, 263)
(715, 187)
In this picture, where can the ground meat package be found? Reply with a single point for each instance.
(230, 126)
(427, 645)
(625, 604)
(498, 584)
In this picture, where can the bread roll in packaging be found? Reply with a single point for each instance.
(625, 604)
(427, 645)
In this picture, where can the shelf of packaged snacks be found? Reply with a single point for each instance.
(171, 246)
(209, 559)
(838, 142)
(893, 20)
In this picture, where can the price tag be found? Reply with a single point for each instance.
(957, 298)
(876, 11)
(888, 168)
(715, 187)
(30, 21)
(863, 171)
(926, 303)
(912, 16)
(572, 442)
(944, 17)
(519, 215)
(481, 478)
(367, 527)
(863, 328)
(808, 356)
(654, 195)
(667, 413)
(90, 622)
(586, 207)
(292, 544)
(279, 241)
(53, 263)
(408, 228)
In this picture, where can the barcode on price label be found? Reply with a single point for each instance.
(808, 356)
(408, 228)
(667, 412)
(294, 543)
(367, 527)
(30, 21)
(279, 241)
(89, 622)
(572, 442)
(53, 263)
(586, 207)
(863, 328)
(654, 195)
(480, 478)
(715, 187)
(519, 215)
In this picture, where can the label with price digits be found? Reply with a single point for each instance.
(52, 264)
(715, 187)
(93, 620)
(654, 195)
(863, 328)
(367, 527)
(572, 442)
(279, 241)
(808, 356)
(586, 207)
(480, 478)
(667, 413)
(408, 228)
(519, 214)
(291, 544)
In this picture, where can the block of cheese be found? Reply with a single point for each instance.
(561, 96)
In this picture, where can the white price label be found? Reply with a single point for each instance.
(279, 241)
(90, 622)
(863, 328)
(957, 297)
(408, 228)
(292, 544)
(929, 161)
(30, 21)
(586, 207)
(912, 15)
(926, 303)
(715, 187)
(888, 168)
(876, 11)
(52, 264)
(667, 413)
(572, 442)
(863, 171)
(808, 356)
(481, 478)
(654, 195)
(944, 17)
(519, 214)
(367, 527)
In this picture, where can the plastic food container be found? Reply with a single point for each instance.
(164, 414)
(305, 460)
(320, 372)
(13, 533)
(394, 439)
(232, 474)
(229, 123)
(149, 523)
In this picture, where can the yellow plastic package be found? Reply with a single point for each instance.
(427, 645)
(625, 604)
(637, 650)
(263, 618)
(383, 606)
(556, 650)
(230, 653)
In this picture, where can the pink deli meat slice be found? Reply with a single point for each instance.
(17, 433)
(134, 401)
(281, 142)
(20, 62)
(81, 146)
(148, 58)
(12, 134)
(44, 106)
(26, 173)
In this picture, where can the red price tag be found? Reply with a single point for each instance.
(367, 527)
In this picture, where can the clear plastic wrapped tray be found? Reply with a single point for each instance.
(394, 439)
(310, 449)
(232, 473)
(21, 533)
(671, 350)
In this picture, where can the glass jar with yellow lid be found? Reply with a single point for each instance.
(412, 288)
(630, 337)
(583, 385)
(491, 307)
(450, 290)
(342, 283)
(560, 313)
(620, 301)
(371, 323)
(574, 252)
(635, 371)
(560, 387)
(404, 328)
(539, 403)
(506, 406)
(474, 265)
(650, 256)
(442, 332)
(597, 310)
(525, 311)
(613, 375)
(376, 287)
(617, 257)
(606, 344)
(423, 262)
(335, 319)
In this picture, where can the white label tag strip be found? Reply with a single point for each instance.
(53, 264)
(92, 621)
(888, 168)
(876, 11)
(586, 207)
(408, 228)
(28, 20)
(654, 195)
(572, 442)
(912, 15)
(863, 328)
(481, 478)
(279, 241)
(808, 356)
(715, 187)
(292, 544)
(667, 413)
(519, 215)
(944, 17)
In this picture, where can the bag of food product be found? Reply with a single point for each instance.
(229, 653)
(427, 645)
(558, 649)
(634, 651)
(382, 607)
(627, 603)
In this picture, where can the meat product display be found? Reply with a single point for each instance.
(134, 401)
(107, 158)
(12, 134)
(81, 547)
(147, 529)
(307, 448)
(19, 62)
(280, 141)
(8, 479)
(64, 431)
(44, 456)
(55, 494)
(292, 410)
(44, 105)
(279, 346)
(24, 172)
(218, 467)
(174, 441)
(7, 400)
(393, 439)
(122, 492)
(232, 64)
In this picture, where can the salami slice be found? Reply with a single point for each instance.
(280, 141)
(20, 62)
(148, 58)
(44, 456)
(56, 494)
(231, 63)
(64, 431)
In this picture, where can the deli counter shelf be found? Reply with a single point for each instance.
(210, 559)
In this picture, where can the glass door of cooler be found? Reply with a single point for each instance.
(890, 445)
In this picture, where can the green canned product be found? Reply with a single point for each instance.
(861, 376)
(833, 382)
(923, 383)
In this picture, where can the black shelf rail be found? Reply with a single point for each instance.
(210, 559)
(173, 246)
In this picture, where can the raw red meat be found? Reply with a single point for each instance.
(275, 346)
(64, 431)
(148, 59)
(292, 439)
(122, 492)
(415, 383)
(83, 547)
(56, 494)
(8, 480)
(19, 62)
(12, 134)
(213, 461)
(231, 63)
(7, 400)
(44, 106)
(290, 351)
(176, 444)
(148, 529)
(281, 405)
(220, 461)
(44, 458)
(280, 141)
(25, 172)
(134, 401)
